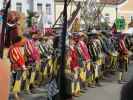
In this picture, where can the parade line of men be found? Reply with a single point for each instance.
(89, 58)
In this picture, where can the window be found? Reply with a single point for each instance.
(131, 18)
(107, 17)
(48, 9)
(39, 7)
(106, 14)
(19, 7)
(122, 17)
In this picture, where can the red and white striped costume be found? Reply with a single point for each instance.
(31, 50)
(84, 50)
(29, 47)
(122, 47)
(16, 58)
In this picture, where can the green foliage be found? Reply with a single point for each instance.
(120, 23)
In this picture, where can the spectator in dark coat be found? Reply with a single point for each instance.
(127, 91)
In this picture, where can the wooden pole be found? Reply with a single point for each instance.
(63, 50)
(2, 40)
(116, 9)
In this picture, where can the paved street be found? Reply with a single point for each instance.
(110, 90)
(39, 35)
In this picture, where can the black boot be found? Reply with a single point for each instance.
(97, 82)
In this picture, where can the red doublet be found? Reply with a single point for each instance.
(31, 50)
(73, 59)
(28, 47)
(122, 47)
(16, 58)
(84, 51)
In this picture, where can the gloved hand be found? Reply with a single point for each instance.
(49, 57)
(24, 67)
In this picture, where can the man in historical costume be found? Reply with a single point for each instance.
(93, 55)
(123, 59)
(74, 65)
(12, 29)
(85, 59)
(95, 51)
(43, 55)
(106, 51)
(38, 76)
(51, 43)
(113, 54)
(91, 73)
(49, 64)
(32, 57)
(76, 38)
(110, 52)
(72, 68)
(50, 51)
(17, 65)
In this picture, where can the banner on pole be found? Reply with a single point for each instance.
(120, 23)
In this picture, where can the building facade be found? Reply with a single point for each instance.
(126, 11)
(1, 4)
(44, 7)
(109, 11)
